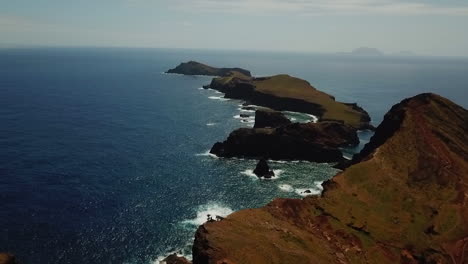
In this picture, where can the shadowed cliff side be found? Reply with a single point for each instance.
(317, 142)
(405, 200)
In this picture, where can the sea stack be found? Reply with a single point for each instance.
(263, 170)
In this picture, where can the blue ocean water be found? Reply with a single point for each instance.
(103, 158)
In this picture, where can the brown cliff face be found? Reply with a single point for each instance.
(405, 200)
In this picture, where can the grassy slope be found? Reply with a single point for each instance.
(408, 200)
(291, 87)
(286, 86)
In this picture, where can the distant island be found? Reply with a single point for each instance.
(196, 68)
(363, 51)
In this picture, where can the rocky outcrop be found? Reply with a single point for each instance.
(403, 200)
(196, 68)
(287, 93)
(318, 142)
(174, 259)
(262, 170)
(6, 258)
(269, 118)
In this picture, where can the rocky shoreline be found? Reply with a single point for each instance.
(287, 93)
(402, 199)
(316, 142)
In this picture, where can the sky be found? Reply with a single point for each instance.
(431, 27)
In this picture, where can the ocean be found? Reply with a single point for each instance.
(104, 158)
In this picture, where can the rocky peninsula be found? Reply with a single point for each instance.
(404, 199)
(286, 93)
(280, 92)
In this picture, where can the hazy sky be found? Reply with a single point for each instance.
(433, 27)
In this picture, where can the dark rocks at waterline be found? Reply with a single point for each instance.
(244, 115)
(248, 108)
(317, 142)
(174, 259)
(263, 170)
(269, 118)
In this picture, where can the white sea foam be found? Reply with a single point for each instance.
(210, 124)
(220, 98)
(248, 121)
(278, 173)
(207, 154)
(245, 110)
(286, 188)
(313, 118)
(203, 211)
(347, 156)
(160, 259)
(278, 161)
(201, 88)
(250, 173)
(315, 190)
(288, 161)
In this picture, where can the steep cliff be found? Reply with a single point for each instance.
(318, 142)
(404, 200)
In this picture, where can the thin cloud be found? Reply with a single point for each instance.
(317, 7)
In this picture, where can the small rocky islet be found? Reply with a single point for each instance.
(402, 199)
